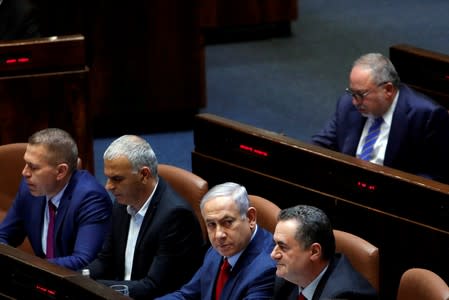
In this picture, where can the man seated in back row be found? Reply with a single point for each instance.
(381, 120)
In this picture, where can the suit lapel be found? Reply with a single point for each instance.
(123, 229)
(38, 206)
(251, 251)
(150, 213)
(354, 130)
(64, 205)
(210, 274)
(398, 129)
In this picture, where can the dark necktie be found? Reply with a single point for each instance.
(370, 139)
(301, 297)
(222, 278)
(50, 230)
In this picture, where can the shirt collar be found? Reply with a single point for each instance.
(388, 115)
(232, 260)
(309, 290)
(144, 207)
(57, 198)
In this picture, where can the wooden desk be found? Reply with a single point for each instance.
(147, 65)
(146, 60)
(48, 89)
(424, 70)
(402, 214)
(233, 20)
(25, 276)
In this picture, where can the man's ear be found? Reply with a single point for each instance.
(252, 216)
(315, 250)
(62, 170)
(145, 174)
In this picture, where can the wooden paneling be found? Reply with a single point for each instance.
(228, 13)
(424, 70)
(147, 64)
(50, 90)
(237, 20)
(404, 215)
(25, 276)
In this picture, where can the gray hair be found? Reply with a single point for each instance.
(236, 191)
(61, 147)
(137, 150)
(382, 69)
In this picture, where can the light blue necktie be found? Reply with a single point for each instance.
(370, 139)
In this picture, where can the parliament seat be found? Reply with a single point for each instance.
(11, 166)
(188, 185)
(422, 284)
(363, 255)
(267, 212)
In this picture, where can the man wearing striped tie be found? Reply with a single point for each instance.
(381, 120)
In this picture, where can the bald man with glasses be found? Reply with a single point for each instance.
(381, 120)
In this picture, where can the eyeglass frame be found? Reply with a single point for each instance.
(360, 96)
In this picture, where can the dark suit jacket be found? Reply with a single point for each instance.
(168, 248)
(340, 281)
(419, 136)
(82, 220)
(251, 278)
(18, 20)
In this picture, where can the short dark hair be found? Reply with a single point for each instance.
(314, 226)
(60, 145)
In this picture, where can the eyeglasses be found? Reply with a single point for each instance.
(361, 95)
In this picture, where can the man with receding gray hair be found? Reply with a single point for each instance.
(238, 264)
(155, 244)
(381, 120)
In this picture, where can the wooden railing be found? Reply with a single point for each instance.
(404, 215)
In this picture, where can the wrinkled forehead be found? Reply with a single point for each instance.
(220, 207)
(37, 154)
(117, 166)
(360, 78)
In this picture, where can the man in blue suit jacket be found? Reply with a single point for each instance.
(414, 135)
(307, 263)
(83, 207)
(234, 235)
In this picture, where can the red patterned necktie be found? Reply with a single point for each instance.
(301, 297)
(222, 278)
(50, 229)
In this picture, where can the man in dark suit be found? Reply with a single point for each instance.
(236, 239)
(414, 131)
(83, 207)
(155, 244)
(307, 264)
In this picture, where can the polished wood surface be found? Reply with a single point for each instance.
(228, 13)
(224, 21)
(147, 65)
(404, 215)
(49, 90)
(25, 276)
(146, 60)
(424, 70)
